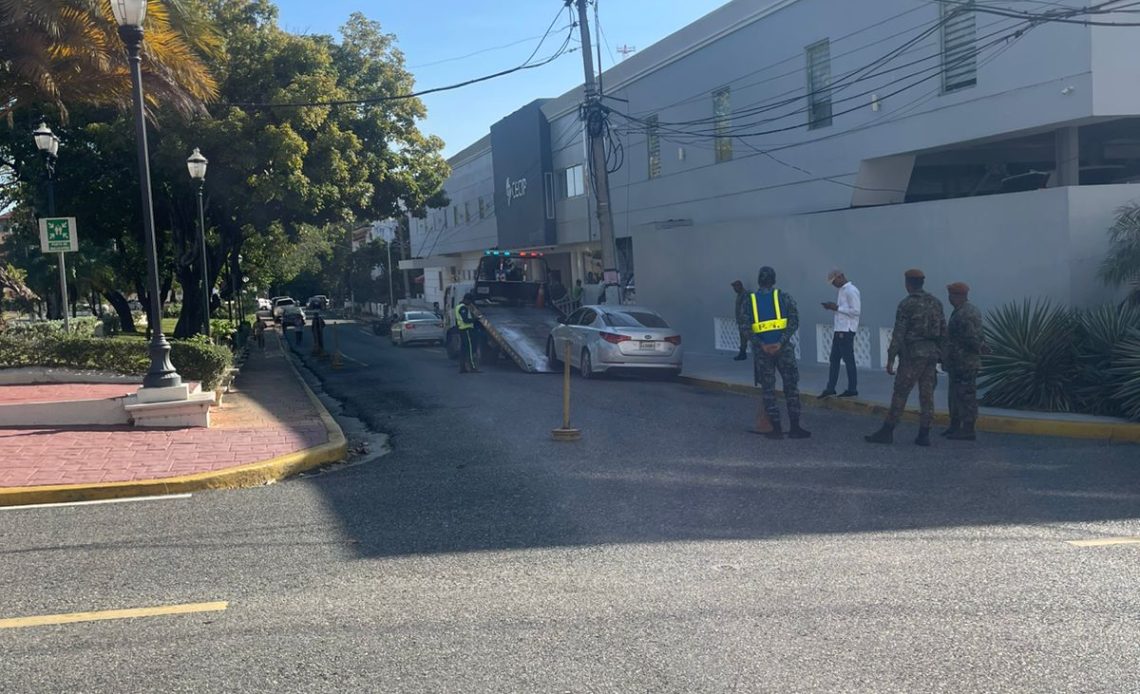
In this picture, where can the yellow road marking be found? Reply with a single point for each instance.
(72, 617)
(1105, 541)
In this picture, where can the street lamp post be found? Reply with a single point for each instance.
(129, 14)
(48, 145)
(196, 164)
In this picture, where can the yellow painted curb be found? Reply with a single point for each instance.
(1116, 432)
(249, 475)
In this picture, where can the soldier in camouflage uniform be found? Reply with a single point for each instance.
(772, 351)
(965, 343)
(920, 329)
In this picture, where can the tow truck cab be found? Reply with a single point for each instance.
(513, 277)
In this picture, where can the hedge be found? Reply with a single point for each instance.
(194, 359)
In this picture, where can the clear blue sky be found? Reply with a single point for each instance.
(430, 31)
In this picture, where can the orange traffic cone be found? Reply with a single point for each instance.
(540, 298)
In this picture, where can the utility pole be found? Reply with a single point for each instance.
(595, 116)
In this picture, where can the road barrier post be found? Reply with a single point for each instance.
(566, 432)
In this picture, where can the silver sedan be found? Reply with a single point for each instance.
(417, 326)
(618, 338)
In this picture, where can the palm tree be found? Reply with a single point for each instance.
(60, 52)
(1122, 264)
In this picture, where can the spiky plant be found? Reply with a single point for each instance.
(1032, 364)
(1101, 331)
(1121, 266)
(1126, 369)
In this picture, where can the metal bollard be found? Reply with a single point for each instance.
(566, 432)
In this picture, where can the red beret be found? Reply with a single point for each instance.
(958, 288)
(914, 274)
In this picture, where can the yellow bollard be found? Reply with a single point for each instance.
(336, 362)
(566, 432)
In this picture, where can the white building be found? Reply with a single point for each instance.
(975, 141)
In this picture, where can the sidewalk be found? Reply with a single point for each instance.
(875, 388)
(269, 426)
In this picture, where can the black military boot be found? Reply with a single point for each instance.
(966, 433)
(923, 438)
(885, 434)
(798, 432)
(954, 427)
(741, 355)
(776, 433)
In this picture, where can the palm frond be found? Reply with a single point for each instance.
(1033, 362)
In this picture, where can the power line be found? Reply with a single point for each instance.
(474, 53)
(525, 65)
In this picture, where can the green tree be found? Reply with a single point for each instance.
(1122, 264)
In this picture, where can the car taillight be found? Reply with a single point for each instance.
(409, 326)
(614, 338)
(673, 339)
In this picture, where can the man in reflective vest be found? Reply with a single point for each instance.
(465, 322)
(775, 320)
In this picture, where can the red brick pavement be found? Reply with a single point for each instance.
(54, 392)
(266, 414)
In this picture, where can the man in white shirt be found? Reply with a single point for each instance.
(847, 310)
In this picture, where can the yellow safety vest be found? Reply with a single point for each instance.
(779, 323)
(459, 321)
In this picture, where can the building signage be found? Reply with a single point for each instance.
(522, 161)
(515, 189)
(57, 235)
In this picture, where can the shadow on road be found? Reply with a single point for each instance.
(473, 467)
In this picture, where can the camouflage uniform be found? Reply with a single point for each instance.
(743, 311)
(920, 327)
(765, 366)
(962, 360)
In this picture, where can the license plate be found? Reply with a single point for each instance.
(648, 346)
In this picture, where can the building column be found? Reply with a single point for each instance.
(1067, 157)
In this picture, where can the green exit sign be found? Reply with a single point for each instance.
(57, 235)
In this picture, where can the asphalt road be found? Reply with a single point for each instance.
(668, 551)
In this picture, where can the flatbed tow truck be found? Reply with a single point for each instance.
(512, 304)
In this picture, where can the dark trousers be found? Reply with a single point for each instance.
(843, 348)
(745, 338)
(467, 351)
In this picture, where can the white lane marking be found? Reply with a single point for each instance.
(1105, 542)
(165, 497)
(354, 361)
(365, 332)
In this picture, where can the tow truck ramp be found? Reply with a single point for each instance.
(520, 332)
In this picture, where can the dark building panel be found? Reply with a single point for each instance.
(524, 204)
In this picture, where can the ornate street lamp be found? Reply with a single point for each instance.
(48, 145)
(130, 14)
(196, 164)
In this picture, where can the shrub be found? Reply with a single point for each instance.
(1033, 362)
(1100, 333)
(171, 310)
(195, 361)
(1126, 369)
(83, 326)
(112, 324)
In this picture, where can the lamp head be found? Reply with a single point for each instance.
(196, 165)
(129, 13)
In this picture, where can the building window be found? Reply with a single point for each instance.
(572, 181)
(653, 146)
(722, 119)
(482, 208)
(466, 212)
(455, 214)
(443, 218)
(959, 54)
(819, 84)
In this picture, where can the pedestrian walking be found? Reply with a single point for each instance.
(465, 322)
(920, 329)
(775, 320)
(576, 295)
(962, 358)
(847, 309)
(743, 316)
(259, 333)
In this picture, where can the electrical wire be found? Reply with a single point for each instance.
(525, 65)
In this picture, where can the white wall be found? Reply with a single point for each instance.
(1043, 244)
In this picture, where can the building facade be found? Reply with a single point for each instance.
(978, 142)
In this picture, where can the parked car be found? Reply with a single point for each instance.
(417, 326)
(616, 338)
(317, 303)
(291, 314)
(264, 304)
(279, 305)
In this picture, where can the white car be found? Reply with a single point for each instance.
(264, 304)
(279, 305)
(616, 338)
(417, 326)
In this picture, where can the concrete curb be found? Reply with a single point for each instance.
(249, 475)
(1114, 432)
